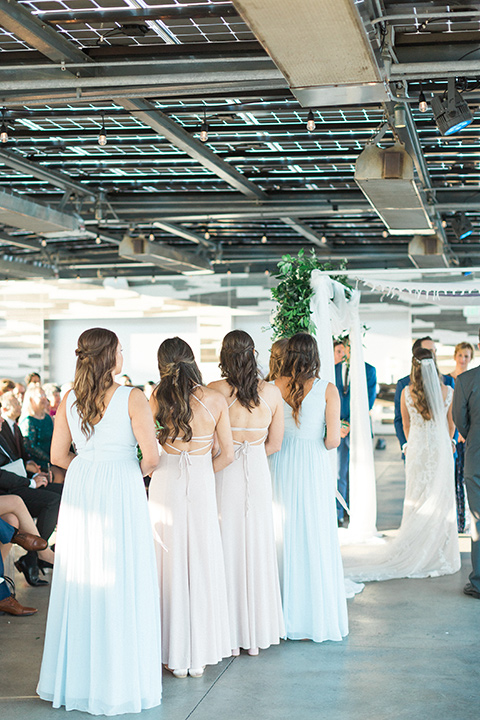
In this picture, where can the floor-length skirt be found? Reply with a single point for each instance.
(311, 572)
(191, 575)
(244, 497)
(102, 650)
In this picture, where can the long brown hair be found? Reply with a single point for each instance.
(301, 362)
(238, 365)
(417, 390)
(179, 374)
(277, 352)
(96, 359)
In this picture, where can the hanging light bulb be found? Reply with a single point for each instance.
(264, 238)
(102, 138)
(204, 129)
(98, 240)
(43, 242)
(310, 122)
(151, 237)
(323, 239)
(422, 102)
(206, 234)
(3, 129)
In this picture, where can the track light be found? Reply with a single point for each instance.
(3, 129)
(310, 122)
(450, 111)
(102, 138)
(461, 226)
(204, 129)
(422, 102)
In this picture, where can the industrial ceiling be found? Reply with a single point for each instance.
(208, 163)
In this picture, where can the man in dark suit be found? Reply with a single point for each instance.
(466, 416)
(342, 381)
(428, 344)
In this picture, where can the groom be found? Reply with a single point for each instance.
(466, 416)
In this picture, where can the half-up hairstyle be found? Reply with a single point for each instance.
(96, 359)
(301, 362)
(238, 365)
(179, 374)
(417, 389)
(277, 352)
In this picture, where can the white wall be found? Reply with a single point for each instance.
(388, 342)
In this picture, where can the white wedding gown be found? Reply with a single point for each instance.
(426, 544)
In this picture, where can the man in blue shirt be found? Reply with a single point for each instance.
(425, 342)
(342, 381)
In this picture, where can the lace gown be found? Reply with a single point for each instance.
(191, 574)
(311, 572)
(244, 498)
(102, 644)
(426, 544)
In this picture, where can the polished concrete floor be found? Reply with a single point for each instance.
(413, 652)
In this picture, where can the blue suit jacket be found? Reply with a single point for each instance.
(371, 374)
(447, 379)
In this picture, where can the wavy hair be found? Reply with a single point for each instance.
(417, 389)
(96, 359)
(301, 362)
(179, 374)
(277, 352)
(238, 365)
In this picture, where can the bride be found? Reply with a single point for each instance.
(426, 544)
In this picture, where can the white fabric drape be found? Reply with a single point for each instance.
(334, 314)
(465, 292)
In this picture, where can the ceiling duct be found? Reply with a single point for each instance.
(385, 176)
(175, 261)
(20, 212)
(427, 252)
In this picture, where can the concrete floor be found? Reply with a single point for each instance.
(413, 652)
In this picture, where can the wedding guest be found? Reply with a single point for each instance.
(276, 358)
(125, 380)
(19, 391)
(244, 498)
(426, 544)
(14, 511)
(466, 415)
(6, 385)
(342, 381)
(36, 426)
(52, 392)
(428, 344)
(311, 573)
(33, 378)
(102, 643)
(463, 355)
(8, 603)
(183, 508)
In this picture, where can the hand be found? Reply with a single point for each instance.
(41, 480)
(33, 467)
(344, 428)
(460, 438)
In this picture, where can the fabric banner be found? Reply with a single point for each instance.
(454, 293)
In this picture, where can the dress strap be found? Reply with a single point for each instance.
(203, 405)
(268, 406)
(233, 403)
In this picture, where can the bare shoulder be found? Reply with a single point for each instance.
(221, 386)
(269, 392)
(211, 397)
(331, 392)
(136, 400)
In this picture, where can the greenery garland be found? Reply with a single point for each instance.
(293, 293)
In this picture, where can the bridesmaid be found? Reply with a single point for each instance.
(311, 570)
(183, 510)
(244, 498)
(276, 358)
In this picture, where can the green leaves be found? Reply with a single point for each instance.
(293, 293)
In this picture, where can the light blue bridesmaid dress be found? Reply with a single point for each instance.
(102, 651)
(310, 564)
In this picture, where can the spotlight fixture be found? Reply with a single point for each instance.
(422, 102)
(450, 111)
(461, 226)
(204, 129)
(3, 129)
(310, 122)
(102, 138)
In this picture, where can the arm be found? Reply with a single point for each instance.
(405, 415)
(332, 417)
(9, 481)
(371, 384)
(223, 437)
(274, 439)
(144, 430)
(398, 422)
(62, 439)
(451, 424)
(460, 411)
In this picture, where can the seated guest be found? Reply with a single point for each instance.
(8, 604)
(19, 391)
(52, 392)
(37, 425)
(14, 511)
(6, 385)
(32, 378)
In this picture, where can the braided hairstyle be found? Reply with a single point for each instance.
(238, 365)
(96, 359)
(179, 374)
(301, 362)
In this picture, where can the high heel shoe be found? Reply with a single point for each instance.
(28, 566)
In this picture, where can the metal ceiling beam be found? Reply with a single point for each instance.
(53, 177)
(21, 270)
(20, 242)
(179, 137)
(17, 19)
(155, 13)
(438, 69)
(184, 233)
(306, 231)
